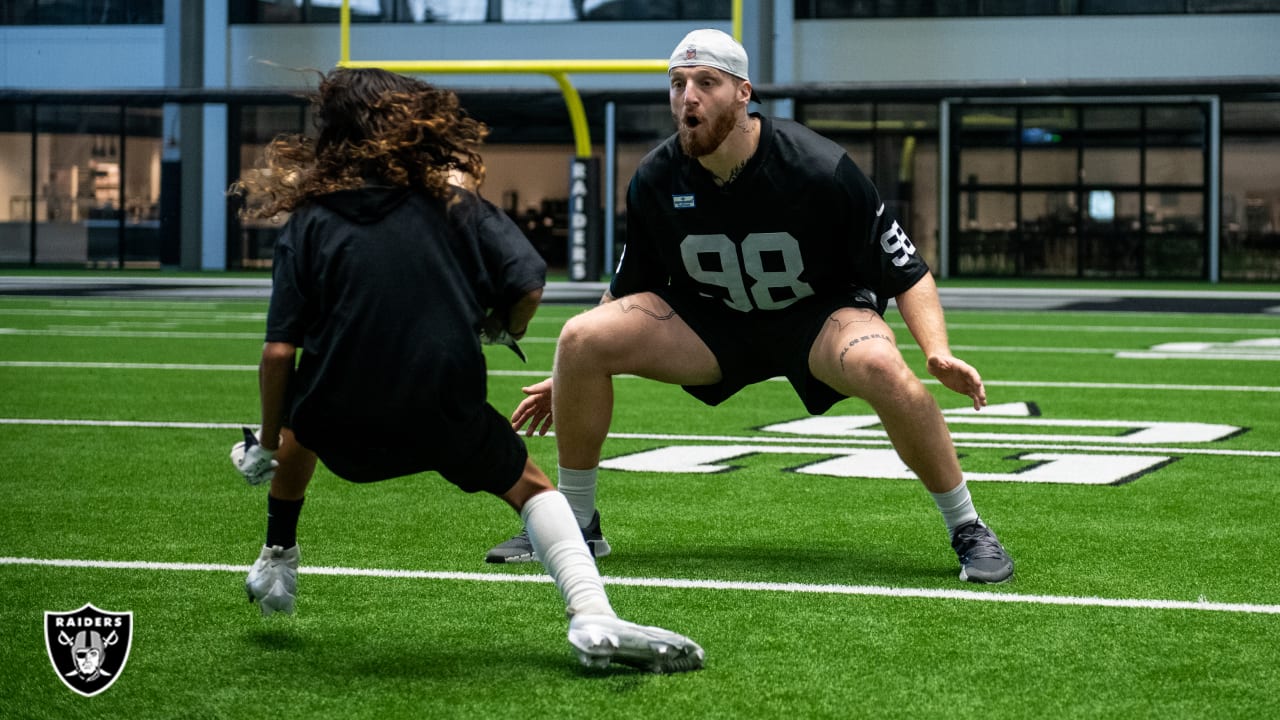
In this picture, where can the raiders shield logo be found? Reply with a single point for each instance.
(88, 647)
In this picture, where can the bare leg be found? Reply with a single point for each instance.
(638, 335)
(297, 465)
(856, 354)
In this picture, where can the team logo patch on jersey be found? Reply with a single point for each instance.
(682, 201)
(88, 647)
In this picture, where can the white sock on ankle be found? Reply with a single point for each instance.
(557, 540)
(579, 488)
(956, 506)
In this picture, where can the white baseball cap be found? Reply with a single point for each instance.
(711, 48)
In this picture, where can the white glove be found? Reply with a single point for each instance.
(256, 463)
(492, 332)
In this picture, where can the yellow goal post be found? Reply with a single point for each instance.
(558, 70)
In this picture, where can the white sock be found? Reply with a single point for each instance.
(579, 488)
(557, 540)
(956, 506)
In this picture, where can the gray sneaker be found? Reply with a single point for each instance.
(601, 639)
(982, 558)
(520, 550)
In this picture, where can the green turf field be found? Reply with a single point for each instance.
(1128, 461)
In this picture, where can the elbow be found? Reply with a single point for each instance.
(278, 354)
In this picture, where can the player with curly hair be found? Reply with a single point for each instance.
(384, 277)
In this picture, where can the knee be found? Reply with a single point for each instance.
(585, 341)
(882, 372)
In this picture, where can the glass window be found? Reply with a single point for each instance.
(1112, 239)
(834, 119)
(1049, 165)
(987, 165)
(254, 239)
(1175, 230)
(1251, 116)
(1132, 7)
(20, 202)
(987, 137)
(907, 117)
(986, 242)
(1049, 243)
(1251, 191)
(1101, 118)
(1175, 166)
(140, 185)
(78, 156)
(1128, 155)
(81, 12)
(1104, 165)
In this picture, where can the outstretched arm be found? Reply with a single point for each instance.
(922, 312)
(535, 410)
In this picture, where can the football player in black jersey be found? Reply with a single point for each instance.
(382, 278)
(756, 248)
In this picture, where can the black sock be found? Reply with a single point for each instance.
(282, 522)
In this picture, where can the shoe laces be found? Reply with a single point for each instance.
(976, 540)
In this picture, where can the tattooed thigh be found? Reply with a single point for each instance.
(651, 306)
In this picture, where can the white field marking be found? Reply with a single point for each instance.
(100, 332)
(829, 441)
(117, 332)
(817, 442)
(1127, 355)
(126, 366)
(547, 374)
(165, 334)
(1067, 327)
(1253, 349)
(162, 314)
(684, 583)
(160, 425)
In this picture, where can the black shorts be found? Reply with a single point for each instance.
(480, 453)
(753, 347)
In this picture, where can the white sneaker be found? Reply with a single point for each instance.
(273, 580)
(600, 639)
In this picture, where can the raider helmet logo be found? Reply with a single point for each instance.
(88, 647)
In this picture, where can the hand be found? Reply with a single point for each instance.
(493, 331)
(534, 409)
(256, 463)
(959, 376)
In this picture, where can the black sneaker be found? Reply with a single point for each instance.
(519, 549)
(982, 558)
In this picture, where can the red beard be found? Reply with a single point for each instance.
(706, 136)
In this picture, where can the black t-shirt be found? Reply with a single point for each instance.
(384, 290)
(800, 219)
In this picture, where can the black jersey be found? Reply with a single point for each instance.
(800, 220)
(384, 290)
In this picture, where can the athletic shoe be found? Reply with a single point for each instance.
(982, 558)
(520, 550)
(601, 639)
(273, 580)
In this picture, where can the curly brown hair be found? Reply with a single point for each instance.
(372, 125)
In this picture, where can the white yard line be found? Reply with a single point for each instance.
(1202, 605)
(1100, 445)
(210, 367)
